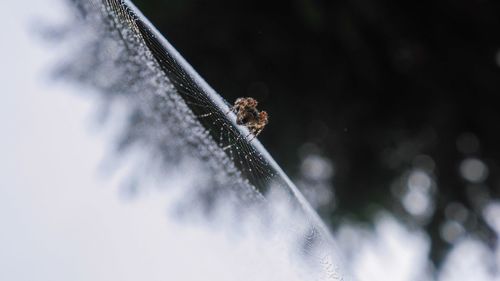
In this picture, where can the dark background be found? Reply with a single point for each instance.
(371, 85)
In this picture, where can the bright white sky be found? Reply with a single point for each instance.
(59, 220)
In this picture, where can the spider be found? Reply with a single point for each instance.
(248, 115)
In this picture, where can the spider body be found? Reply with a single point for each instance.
(248, 115)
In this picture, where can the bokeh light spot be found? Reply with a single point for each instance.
(419, 180)
(316, 167)
(473, 170)
(451, 230)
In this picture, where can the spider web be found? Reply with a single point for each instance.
(129, 57)
(213, 115)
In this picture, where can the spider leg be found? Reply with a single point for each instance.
(253, 137)
(254, 132)
(249, 135)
